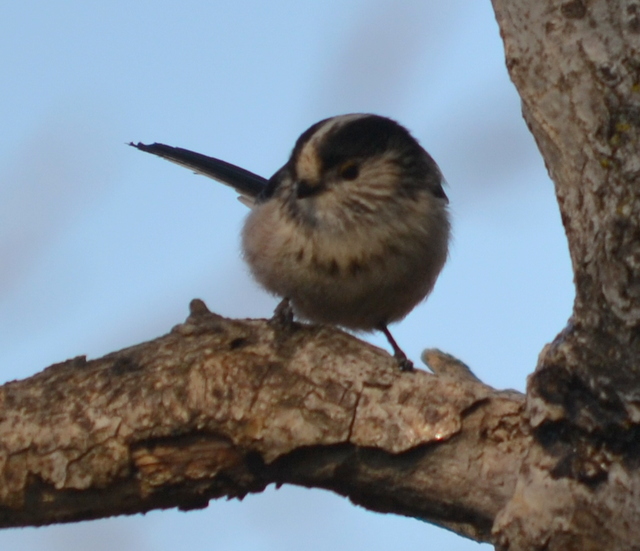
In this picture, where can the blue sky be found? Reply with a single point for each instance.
(102, 246)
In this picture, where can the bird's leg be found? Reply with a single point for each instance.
(404, 363)
(282, 315)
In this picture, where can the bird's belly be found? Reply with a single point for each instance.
(360, 282)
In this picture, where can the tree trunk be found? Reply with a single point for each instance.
(577, 69)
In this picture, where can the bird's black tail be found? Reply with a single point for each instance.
(243, 181)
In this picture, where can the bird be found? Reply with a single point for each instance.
(352, 231)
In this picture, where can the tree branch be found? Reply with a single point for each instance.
(222, 408)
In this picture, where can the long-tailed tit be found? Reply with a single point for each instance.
(353, 229)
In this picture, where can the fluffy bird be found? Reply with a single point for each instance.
(352, 231)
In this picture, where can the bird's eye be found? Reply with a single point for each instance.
(349, 171)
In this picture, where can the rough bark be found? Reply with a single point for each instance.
(577, 69)
(222, 408)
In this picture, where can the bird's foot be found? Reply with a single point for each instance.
(282, 318)
(404, 363)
